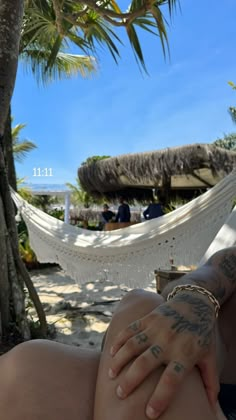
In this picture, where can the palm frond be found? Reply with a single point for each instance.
(146, 24)
(21, 148)
(38, 26)
(134, 41)
(65, 65)
(93, 28)
(158, 16)
(15, 131)
(99, 32)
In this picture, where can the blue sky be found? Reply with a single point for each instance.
(119, 110)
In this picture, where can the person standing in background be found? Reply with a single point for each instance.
(107, 215)
(154, 210)
(123, 214)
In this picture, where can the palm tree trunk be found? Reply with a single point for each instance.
(13, 273)
(4, 281)
(8, 151)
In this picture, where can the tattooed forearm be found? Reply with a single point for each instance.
(228, 267)
(156, 351)
(218, 275)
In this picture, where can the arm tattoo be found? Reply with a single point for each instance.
(141, 338)
(228, 267)
(156, 351)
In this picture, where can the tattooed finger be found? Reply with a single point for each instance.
(124, 335)
(141, 367)
(170, 380)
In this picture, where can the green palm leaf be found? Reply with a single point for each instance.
(65, 65)
(134, 41)
(146, 24)
(21, 147)
(157, 14)
(89, 25)
(43, 48)
(15, 131)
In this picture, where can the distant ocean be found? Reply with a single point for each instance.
(45, 187)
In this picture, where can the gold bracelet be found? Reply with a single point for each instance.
(199, 289)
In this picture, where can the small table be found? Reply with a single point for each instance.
(163, 277)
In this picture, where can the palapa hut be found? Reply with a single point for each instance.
(179, 170)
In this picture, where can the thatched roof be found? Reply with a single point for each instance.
(135, 175)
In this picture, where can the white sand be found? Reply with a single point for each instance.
(78, 324)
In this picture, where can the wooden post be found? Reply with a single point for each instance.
(67, 208)
(166, 187)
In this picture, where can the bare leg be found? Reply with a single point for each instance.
(191, 400)
(43, 380)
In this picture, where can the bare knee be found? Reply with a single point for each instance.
(16, 369)
(26, 350)
(18, 360)
(140, 297)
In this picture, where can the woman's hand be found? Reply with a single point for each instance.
(179, 334)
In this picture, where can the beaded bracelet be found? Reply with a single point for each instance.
(199, 289)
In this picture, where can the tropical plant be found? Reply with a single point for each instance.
(43, 202)
(21, 147)
(228, 142)
(26, 252)
(35, 52)
(14, 275)
(23, 190)
(79, 196)
(88, 24)
(37, 55)
(92, 159)
(44, 51)
(232, 109)
(57, 213)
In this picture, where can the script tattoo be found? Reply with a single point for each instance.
(141, 338)
(228, 267)
(135, 326)
(201, 326)
(156, 351)
(178, 367)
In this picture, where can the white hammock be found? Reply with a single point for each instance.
(130, 255)
(225, 238)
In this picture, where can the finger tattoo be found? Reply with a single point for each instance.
(135, 326)
(178, 367)
(141, 338)
(156, 351)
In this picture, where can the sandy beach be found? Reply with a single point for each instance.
(80, 313)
